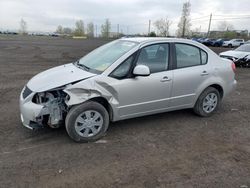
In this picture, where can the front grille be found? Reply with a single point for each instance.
(26, 92)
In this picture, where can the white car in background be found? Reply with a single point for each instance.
(247, 42)
(233, 43)
(240, 56)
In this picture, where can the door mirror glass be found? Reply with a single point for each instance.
(141, 70)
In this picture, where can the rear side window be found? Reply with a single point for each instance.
(188, 55)
(203, 57)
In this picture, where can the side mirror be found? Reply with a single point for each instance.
(141, 70)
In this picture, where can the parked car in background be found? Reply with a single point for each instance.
(233, 43)
(240, 56)
(123, 79)
(201, 40)
(208, 42)
(247, 42)
(218, 42)
(194, 39)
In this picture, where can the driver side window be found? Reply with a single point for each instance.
(155, 57)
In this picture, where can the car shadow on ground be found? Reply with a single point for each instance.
(156, 122)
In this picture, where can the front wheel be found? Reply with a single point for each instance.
(207, 102)
(87, 122)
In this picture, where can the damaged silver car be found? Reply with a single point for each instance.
(124, 79)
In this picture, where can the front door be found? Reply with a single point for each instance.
(143, 95)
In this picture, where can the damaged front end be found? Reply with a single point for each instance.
(54, 108)
(43, 108)
(50, 107)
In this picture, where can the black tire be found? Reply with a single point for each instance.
(76, 111)
(198, 108)
(230, 45)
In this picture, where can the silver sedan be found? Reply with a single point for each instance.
(124, 79)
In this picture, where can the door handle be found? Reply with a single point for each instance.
(204, 73)
(165, 79)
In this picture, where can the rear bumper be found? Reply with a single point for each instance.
(231, 87)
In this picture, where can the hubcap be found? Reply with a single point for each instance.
(88, 123)
(210, 102)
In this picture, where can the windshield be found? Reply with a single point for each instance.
(243, 48)
(104, 56)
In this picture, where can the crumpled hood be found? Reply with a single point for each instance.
(233, 53)
(56, 77)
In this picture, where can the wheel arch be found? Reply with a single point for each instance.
(214, 85)
(219, 88)
(106, 105)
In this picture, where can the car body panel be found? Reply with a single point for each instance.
(185, 84)
(57, 77)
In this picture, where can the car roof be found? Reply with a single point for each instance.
(156, 39)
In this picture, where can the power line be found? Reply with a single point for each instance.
(231, 15)
(233, 18)
(200, 17)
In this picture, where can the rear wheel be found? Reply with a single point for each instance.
(87, 122)
(207, 102)
(230, 45)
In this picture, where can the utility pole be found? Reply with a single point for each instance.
(127, 29)
(209, 25)
(96, 31)
(117, 30)
(184, 27)
(149, 25)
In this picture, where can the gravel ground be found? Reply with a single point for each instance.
(176, 149)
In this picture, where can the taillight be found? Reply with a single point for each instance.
(233, 67)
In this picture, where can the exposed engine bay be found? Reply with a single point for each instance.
(54, 107)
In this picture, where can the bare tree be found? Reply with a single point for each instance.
(23, 27)
(67, 31)
(90, 30)
(162, 26)
(59, 29)
(106, 28)
(184, 24)
(79, 30)
(225, 26)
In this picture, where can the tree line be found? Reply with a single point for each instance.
(89, 31)
(162, 27)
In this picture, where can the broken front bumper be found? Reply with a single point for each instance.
(29, 111)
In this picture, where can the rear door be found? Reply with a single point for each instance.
(190, 70)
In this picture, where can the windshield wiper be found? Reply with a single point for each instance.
(82, 66)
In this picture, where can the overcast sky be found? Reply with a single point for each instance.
(132, 15)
